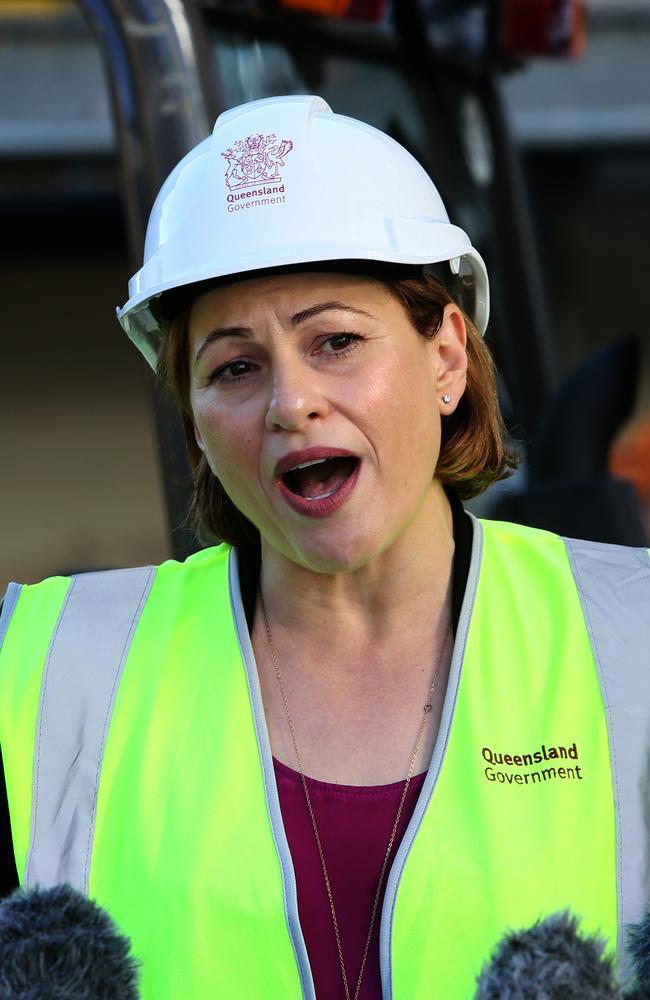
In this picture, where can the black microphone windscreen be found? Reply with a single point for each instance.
(549, 961)
(57, 945)
(638, 940)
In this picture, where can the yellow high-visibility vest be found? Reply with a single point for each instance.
(138, 768)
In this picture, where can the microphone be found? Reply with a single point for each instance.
(638, 942)
(57, 945)
(549, 961)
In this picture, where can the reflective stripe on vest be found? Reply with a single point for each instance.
(614, 587)
(80, 680)
(173, 852)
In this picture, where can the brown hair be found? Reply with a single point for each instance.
(475, 450)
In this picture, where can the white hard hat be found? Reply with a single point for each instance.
(285, 181)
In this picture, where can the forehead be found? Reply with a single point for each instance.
(241, 303)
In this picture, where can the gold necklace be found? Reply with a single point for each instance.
(312, 816)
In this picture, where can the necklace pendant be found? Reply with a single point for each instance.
(428, 707)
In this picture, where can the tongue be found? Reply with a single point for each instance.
(320, 480)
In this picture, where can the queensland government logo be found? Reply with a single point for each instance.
(541, 764)
(253, 176)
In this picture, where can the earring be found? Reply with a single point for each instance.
(446, 398)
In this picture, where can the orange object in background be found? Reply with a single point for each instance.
(629, 455)
(354, 10)
(542, 27)
(629, 458)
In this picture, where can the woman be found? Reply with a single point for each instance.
(343, 759)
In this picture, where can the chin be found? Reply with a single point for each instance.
(341, 552)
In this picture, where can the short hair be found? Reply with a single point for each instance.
(475, 448)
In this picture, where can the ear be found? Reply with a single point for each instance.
(451, 358)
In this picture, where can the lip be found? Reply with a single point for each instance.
(327, 505)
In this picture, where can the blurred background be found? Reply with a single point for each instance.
(533, 118)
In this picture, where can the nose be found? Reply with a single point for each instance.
(295, 397)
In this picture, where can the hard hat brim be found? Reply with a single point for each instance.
(145, 316)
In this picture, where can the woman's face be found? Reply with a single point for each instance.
(318, 405)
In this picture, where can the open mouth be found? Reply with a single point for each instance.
(319, 478)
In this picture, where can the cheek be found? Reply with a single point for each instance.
(228, 445)
(410, 419)
(402, 400)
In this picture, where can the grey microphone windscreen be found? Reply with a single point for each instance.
(549, 961)
(57, 945)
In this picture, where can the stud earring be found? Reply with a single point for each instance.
(446, 398)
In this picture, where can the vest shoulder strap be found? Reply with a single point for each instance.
(613, 582)
(81, 676)
(7, 608)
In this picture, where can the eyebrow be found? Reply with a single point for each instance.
(296, 320)
(218, 334)
(312, 311)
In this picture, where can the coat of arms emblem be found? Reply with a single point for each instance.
(255, 160)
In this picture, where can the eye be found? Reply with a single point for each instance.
(341, 343)
(232, 371)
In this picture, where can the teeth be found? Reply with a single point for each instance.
(306, 465)
(323, 496)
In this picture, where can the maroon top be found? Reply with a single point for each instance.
(354, 823)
